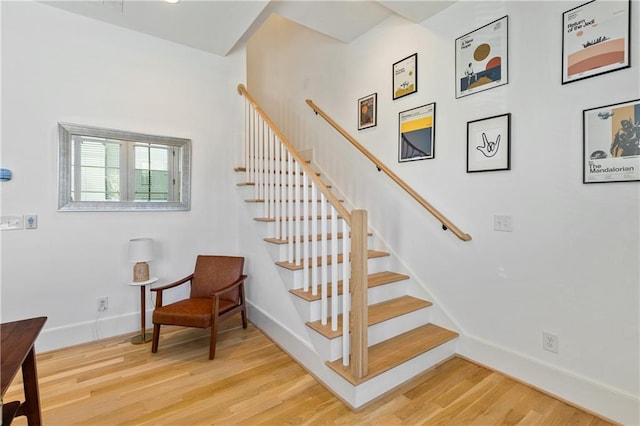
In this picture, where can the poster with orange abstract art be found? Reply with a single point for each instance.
(595, 39)
(481, 58)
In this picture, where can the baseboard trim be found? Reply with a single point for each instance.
(87, 331)
(602, 400)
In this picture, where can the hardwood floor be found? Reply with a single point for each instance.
(252, 381)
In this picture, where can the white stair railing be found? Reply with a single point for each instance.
(311, 220)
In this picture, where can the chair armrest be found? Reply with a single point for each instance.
(231, 286)
(173, 284)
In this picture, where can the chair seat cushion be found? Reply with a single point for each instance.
(193, 312)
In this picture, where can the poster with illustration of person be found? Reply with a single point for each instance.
(612, 143)
(481, 58)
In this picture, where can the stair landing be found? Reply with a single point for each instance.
(393, 352)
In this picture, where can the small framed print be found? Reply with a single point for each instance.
(595, 39)
(611, 138)
(482, 58)
(405, 76)
(417, 133)
(489, 144)
(368, 111)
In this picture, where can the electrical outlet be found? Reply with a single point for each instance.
(503, 223)
(550, 342)
(103, 304)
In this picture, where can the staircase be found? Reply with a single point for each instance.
(401, 341)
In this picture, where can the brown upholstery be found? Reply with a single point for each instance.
(217, 292)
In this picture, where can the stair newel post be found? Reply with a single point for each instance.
(346, 295)
(359, 304)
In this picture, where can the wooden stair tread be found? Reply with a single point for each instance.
(393, 352)
(373, 280)
(377, 313)
(310, 238)
(371, 254)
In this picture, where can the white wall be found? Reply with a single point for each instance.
(571, 265)
(57, 67)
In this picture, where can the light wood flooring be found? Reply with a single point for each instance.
(252, 382)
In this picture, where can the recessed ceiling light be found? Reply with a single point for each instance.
(172, 1)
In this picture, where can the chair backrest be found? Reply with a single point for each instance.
(213, 273)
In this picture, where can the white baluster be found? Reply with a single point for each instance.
(305, 233)
(334, 270)
(323, 267)
(290, 234)
(314, 235)
(277, 173)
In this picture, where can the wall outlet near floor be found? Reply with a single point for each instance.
(503, 223)
(550, 342)
(103, 304)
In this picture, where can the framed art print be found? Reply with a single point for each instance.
(417, 133)
(482, 59)
(368, 111)
(489, 144)
(595, 39)
(405, 76)
(611, 139)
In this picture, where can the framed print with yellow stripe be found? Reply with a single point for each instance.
(417, 133)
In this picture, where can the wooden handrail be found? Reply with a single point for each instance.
(342, 211)
(445, 222)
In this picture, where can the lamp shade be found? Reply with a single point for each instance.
(140, 250)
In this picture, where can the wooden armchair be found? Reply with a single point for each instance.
(217, 292)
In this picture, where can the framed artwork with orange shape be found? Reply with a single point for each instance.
(482, 58)
(595, 39)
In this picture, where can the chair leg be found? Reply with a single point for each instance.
(156, 338)
(244, 317)
(214, 335)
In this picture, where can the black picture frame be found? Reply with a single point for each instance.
(405, 77)
(485, 49)
(489, 144)
(417, 133)
(368, 111)
(611, 143)
(596, 39)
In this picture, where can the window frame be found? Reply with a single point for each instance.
(67, 131)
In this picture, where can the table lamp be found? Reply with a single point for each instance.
(140, 252)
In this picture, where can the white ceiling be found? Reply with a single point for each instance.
(216, 26)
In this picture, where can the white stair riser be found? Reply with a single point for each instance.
(374, 295)
(376, 333)
(396, 376)
(280, 252)
(378, 264)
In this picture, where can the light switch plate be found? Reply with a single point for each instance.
(503, 223)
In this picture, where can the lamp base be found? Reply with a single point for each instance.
(140, 338)
(140, 272)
